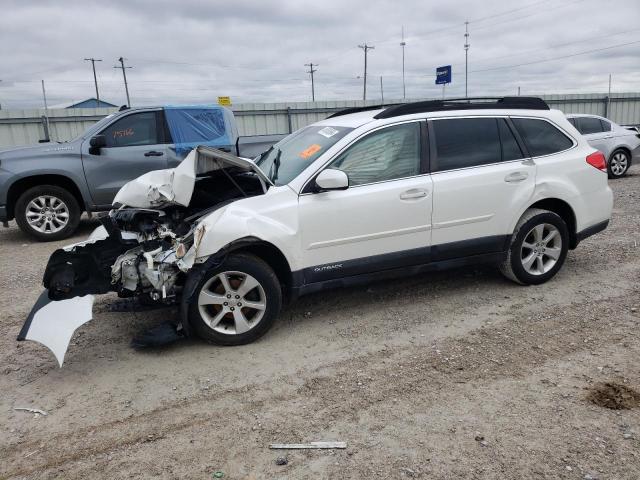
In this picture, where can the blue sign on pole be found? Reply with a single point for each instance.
(443, 75)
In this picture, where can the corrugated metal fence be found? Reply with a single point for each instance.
(25, 127)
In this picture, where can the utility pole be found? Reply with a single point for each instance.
(366, 48)
(466, 57)
(402, 44)
(311, 71)
(46, 113)
(95, 79)
(608, 108)
(518, 91)
(381, 89)
(124, 75)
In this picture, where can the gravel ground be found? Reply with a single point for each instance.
(458, 374)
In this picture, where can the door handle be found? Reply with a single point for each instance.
(516, 177)
(608, 136)
(413, 193)
(153, 153)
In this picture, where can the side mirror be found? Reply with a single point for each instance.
(332, 179)
(96, 143)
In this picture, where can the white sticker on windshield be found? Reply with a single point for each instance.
(328, 132)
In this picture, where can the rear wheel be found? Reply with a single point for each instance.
(47, 212)
(236, 302)
(538, 248)
(618, 164)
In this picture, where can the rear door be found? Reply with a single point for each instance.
(481, 176)
(382, 220)
(135, 145)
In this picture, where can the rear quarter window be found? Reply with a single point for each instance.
(541, 137)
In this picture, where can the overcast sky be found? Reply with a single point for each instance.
(192, 51)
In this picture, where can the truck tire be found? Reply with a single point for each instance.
(47, 213)
(538, 248)
(235, 302)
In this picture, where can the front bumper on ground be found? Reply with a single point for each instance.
(52, 323)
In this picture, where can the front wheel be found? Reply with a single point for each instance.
(538, 248)
(236, 302)
(47, 213)
(618, 164)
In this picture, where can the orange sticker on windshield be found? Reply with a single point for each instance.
(310, 151)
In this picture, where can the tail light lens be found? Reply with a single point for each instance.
(597, 160)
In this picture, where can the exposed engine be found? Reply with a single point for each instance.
(144, 248)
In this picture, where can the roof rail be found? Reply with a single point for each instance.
(349, 110)
(471, 103)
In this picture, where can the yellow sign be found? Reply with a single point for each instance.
(226, 101)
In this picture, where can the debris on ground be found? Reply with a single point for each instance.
(32, 410)
(310, 445)
(282, 461)
(218, 474)
(614, 396)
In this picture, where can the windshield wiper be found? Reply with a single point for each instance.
(263, 154)
(276, 164)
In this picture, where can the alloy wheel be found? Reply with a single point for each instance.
(618, 164)
(232, 302)
(47, 214)
(541, 249)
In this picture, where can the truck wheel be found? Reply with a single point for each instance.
(236, 302)
(618, 164)
(538, 248)
(47, 212)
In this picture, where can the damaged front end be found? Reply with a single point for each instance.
(144, 248)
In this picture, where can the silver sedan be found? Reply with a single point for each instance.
(620, 145)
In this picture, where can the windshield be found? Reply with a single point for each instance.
(286, 159)
(97, 125)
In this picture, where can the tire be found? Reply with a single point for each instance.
(538, 264)
(217, 323)
(50, 202)
(618, 164)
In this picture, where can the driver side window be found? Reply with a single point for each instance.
(387, 154)
(135, 129)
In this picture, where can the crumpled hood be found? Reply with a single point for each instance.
(175, 185)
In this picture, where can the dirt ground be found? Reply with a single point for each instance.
(458, 374)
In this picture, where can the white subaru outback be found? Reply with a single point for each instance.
(368, 193)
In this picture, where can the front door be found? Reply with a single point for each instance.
(134, 146)
(382, 220)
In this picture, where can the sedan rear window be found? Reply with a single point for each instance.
(541, 137)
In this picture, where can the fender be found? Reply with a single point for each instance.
(272, 218)
(548, 189)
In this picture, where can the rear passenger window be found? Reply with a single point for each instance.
(510, 148)
(465, 142)
(587, 125)
(541, 137)
(606, 126)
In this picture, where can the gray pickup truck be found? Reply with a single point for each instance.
(47, 187)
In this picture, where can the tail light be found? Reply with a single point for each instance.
(597, 160)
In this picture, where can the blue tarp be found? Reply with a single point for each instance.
(191, 126)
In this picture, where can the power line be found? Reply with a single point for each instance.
(366, 48)
(95, 79)
(312, 71)
(557, 58)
